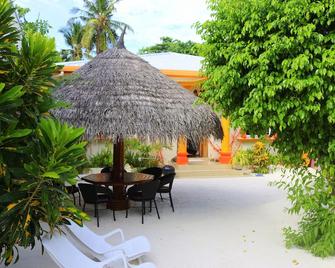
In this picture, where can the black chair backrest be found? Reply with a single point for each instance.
(109, 170)
(106, 170)
(156, 171)
(72, 189)
(167, 169)
(167, 179)
(149, 189)
(88, 192)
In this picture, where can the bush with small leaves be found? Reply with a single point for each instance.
(271, 64)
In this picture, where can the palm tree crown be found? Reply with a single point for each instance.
(100, 28)
(73, 34)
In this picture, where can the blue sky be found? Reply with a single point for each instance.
(150, 19)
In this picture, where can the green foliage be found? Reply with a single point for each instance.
(8, 37)
(104, 158)
(100, 27)
(37, 153)
(260, 160)
(73, 34)
(270, 64)
(242, 158)
(33, 191)
(311, 194)
(277, 159)
(66, 54)
(37, 26)
(140, 155)
(172, 45)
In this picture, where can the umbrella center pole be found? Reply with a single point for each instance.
(118, 161)
(119, 199)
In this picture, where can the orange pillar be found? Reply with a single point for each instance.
(182, 151)
(225, 153)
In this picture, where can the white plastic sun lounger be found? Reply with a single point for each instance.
(66, 255)
(132, 248)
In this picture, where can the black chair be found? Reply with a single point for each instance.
(91, 195)
(167, 169)
(109, 170)
(155, 171)
(165, 186)
(73, 189)
(103, 189)
(147, 192)
(106, 170)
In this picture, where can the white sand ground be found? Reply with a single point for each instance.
(218, 223)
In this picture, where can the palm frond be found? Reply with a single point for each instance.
(88, 36)
(112, 36)
(75, 10)
(100, 27)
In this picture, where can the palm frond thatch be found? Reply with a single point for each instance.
(118, 94)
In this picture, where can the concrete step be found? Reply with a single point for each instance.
(203, 168)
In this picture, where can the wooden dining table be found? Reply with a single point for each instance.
(119, 200)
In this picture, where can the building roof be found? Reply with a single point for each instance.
(173, 61)
(161, 61)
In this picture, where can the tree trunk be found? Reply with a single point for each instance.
(98, 42)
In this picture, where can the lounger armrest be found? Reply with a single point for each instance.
(116, 231)
(118, 255)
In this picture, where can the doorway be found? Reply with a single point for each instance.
(197, 149)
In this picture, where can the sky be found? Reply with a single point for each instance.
(150, 19)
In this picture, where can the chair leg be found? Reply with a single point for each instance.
(79, 197)
(84, 206)
(114, 215)
(74, 199)
(144, 208)
(143, 211)
(156, 209)
(150, 205)
(161, 196)
(171, 202)
(97, 214)
(127, 213)
(95, 210)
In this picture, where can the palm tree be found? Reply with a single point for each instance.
(100, 29)
(73, 34)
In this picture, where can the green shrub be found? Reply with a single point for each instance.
(37, 153)
(104, 158)
(140, 155)
(260, 160)
(312, 195)
(271, 64)
(242, 158)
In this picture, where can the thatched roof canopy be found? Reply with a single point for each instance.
(118, 94)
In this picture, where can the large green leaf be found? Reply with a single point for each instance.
(11, 95)
(18, 133)
(51, 174)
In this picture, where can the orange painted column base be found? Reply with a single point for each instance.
(225, 152)
(182, 159)
(225, 158)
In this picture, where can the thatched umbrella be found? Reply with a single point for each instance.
(118, 95)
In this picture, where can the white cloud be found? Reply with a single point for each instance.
(150, 19)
